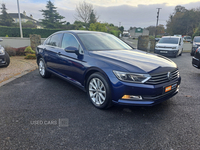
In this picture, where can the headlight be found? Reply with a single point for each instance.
(2, 51)
(173, 47)
(132, 77)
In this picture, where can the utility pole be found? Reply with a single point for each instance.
(157, 20)
(119, 24)
(20, 24)
(157, 23)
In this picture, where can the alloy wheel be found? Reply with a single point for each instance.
(97, 91)
(41, 68)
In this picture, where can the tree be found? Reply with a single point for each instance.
(121, 29)
(85, 12)
(152, 30)
(5, 18)
(93, 18)
(183, 21)
(98, 27)
(180, 8)
(52, 19)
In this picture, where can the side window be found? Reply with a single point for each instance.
(69, 40)
(55, 40)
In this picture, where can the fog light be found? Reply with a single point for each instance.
(132, 97)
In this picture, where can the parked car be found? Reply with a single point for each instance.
(4, 57)
(171, 46)
(187, 38)
(157, 39)
(196, 59)
(195, 44)
(109, 70)
(178, 35)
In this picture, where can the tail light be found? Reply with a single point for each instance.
(196, 50)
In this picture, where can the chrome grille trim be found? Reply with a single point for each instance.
(162, 78)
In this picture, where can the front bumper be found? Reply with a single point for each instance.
(167, 53)
(151, 94)
(3, 60)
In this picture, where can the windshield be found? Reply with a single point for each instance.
(102, 41)
(197, 39)
(169, 40)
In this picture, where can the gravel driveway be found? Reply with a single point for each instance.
(18, 65)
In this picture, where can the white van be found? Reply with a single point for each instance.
(171, 46)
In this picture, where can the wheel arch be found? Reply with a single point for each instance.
(94, 70)
(38, 58)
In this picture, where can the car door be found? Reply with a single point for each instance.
(71, 64)
(52, 51)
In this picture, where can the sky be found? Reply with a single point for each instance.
(127, 13)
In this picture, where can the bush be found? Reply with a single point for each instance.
(30, 56)
(20, 51)
(115, 32)
(151, 37)
(29, 50)
(15, 32)
(11, 51)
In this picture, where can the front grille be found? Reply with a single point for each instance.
(164, 47)
(163, 78)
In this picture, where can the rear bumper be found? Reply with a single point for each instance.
(193, 50)
(196, 62)
(3, 60)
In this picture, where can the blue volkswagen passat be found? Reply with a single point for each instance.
(109, 70)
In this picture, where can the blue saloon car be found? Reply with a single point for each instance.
(108, 69)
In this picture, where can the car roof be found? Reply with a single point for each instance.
(78, 31)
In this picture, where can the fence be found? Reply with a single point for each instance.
(16, 42)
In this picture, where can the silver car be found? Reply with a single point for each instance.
(4, 57)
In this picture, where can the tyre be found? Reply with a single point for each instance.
(42, 69)
(98, 91)
(181, 52)
(7, 59)
(175, 55)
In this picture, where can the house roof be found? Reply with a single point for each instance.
(15, 15)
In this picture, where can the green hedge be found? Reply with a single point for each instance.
(15, 32)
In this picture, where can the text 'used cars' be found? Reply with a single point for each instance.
(109, 70)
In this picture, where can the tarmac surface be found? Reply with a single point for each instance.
(37, 113)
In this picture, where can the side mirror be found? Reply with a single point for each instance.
(1, 40)
(72, 49)
(191, 42)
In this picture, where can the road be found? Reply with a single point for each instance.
(37, 113)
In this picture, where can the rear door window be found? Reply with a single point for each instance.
(56, 40)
